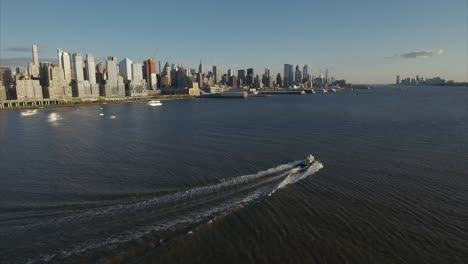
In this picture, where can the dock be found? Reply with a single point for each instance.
(225, 95)
(282, 92)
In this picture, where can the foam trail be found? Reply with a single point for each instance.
(136, 220)
(293, 178)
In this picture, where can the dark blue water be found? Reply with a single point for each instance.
(180, 183)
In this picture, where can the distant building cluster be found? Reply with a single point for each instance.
(78, 76)
(75, 76)
(421, 81)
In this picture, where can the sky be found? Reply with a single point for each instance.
(362, 41)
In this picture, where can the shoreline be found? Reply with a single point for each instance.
(59, 103)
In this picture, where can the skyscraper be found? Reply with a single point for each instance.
(125, 67)
(200, 75)
(288, 78)
(241, 77)
(305, 72)
(78, 67)
(398, 80)
(250, 79)
(114, 84)
(298, 76)
(216, 74)
(79, 89)
(35, 55)
(90, 68)
(65, 64)
(166, 76)
(150, 74)
(33, 68)
(279, 80)
(91, 75)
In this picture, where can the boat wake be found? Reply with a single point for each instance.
(93, 230)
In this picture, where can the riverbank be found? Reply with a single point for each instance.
(69, 102)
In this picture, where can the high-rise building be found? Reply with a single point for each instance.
(27, 89)
(91, 76)
(66, 65)
(229, 73)
(215, 74)
(150, 74)
(6, 80)
(35, 55)
(125, 67)
(55, 85)
(298, 76)
(78, 67)
(398, 80)
(90, 68)
(138, 86)
(288, 78)
(80, 86)
(166, 76)
(279, 80)
(33, 68)
(305, 72)
(200, 75)
(241, 77)
(114, 85)
(250, 78)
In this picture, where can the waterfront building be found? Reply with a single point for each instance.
(279, 80)
(305, 73)
(398, 80)
(65, 64)
(267, 80)
(125, 67)
(216, 71)
(78, 86)
(298, 76)
(35, 55)
(288, 78)
(3, 94)
(250, 79)
(137, 86)
(150, 74)
(28, 89)
(114, 85)
(229, 73)
(101, 73)
(55, 86)
(241, 77)
(91, 75)
(166, 76)
(33, 67)
(200, 75)
(6, 84)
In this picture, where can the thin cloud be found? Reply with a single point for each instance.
(18, 49)
(21, 61)
(418, 54)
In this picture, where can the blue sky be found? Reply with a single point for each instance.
(362, 41)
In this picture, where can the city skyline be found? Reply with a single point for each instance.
(323, 41)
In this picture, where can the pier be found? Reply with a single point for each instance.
(43, 103)
(281, 92)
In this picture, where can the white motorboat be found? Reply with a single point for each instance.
(308, 161)
(154, 103)
(29, 112)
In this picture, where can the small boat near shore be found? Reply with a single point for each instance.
(29, 112)
(154, 103)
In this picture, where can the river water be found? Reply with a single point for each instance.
(218, 181)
